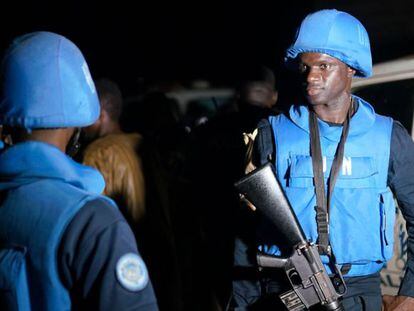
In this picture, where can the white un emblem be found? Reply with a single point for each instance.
(131, 272)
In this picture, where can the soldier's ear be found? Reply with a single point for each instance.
(351, 72)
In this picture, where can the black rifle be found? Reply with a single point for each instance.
(304, 269)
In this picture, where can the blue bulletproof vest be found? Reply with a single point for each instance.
(362, 210)
(39, 201)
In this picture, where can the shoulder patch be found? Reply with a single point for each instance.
(131, 272)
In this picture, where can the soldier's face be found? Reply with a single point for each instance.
(325, 79)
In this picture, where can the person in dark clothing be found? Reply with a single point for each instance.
(373, 156)
(63, 244)
(222, 147)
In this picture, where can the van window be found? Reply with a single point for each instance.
(394, 99)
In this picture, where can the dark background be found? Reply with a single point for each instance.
(159, 41)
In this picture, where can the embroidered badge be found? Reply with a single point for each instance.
(131, 272)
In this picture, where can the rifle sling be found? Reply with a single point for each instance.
(323, 203)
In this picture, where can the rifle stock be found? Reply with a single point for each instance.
(304, 269)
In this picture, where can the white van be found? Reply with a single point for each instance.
(391, 91)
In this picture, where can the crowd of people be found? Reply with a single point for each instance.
(105, 206)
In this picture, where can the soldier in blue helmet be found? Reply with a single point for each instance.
(339, 164)
(62, 244)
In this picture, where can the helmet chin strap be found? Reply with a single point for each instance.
(74, 145)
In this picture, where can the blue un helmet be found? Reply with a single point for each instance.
(46, 83)
(337, 34)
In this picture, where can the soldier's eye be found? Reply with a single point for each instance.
(324, 66)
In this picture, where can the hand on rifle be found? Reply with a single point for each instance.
(397, 303)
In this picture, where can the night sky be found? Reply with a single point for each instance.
(162, 41)
(158, 41)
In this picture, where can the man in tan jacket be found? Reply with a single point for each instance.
(115, 153)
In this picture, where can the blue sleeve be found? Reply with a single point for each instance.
(401, 181)
(92, 250)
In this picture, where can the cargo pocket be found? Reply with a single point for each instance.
(14, 293)
(387, 210)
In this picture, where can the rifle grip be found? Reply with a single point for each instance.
(267, 261)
